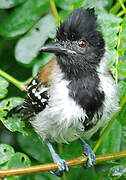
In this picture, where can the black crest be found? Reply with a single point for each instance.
(79, 23)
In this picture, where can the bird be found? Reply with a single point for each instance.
(74, 94)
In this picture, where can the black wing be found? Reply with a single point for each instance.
(36, 99)
(37, 93)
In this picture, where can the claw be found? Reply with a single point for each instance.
(62, 166)
(88, 152)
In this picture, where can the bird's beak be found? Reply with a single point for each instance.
(56, 48)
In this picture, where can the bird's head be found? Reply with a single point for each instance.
(78, 42)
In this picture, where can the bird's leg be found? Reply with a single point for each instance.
(62, 166)
(88, 152)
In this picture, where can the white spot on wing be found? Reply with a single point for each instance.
(43, 100)
(36, 94)
(33, 91)
(39, 97)
(34, 82)
(42, 89)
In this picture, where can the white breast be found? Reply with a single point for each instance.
(62, 120)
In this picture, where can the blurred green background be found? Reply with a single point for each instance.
(25, 25)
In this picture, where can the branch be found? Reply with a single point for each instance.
(122, 4)
(117, 54)
(123, 7)
(53, 166)
(121, 13)
(18, 84)
(54, 10)
(116, 7)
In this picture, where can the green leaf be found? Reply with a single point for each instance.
(118, 171)
(42, 176)
(6, 152)
(111, 142)
(100, 4)
(19, 160)
(3, 93)
(122, 46)
(122, 89)
(13, 123)
(122, 68)
(111, 63)
(29, 46)
(40, 62)
(116, 7)
(110, 25)
(69, 5)
(3, 85)
(4, 165)
(122, 116)
(23, 18)
(68, 152)
(104, 174)
(13, 178)
(10, 103)
(5, 4)
(80, 173)
(34, 147)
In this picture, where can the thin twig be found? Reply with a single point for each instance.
(18, 84)
(121, 13)
(116, 7)
(117, 54)
(54, 10)
(53, 166)
(123, 7)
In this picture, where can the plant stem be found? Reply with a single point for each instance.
(18, 84)
(53, 166)
(121, 13)
(117, 54)
(54, 10)
(116, 7)
(123, 7)
(109, 125)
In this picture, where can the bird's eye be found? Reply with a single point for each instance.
(82, 43)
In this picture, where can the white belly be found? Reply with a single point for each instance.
(62, 120)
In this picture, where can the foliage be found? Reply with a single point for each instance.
(24, 27)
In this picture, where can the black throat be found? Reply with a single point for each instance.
(73, 68)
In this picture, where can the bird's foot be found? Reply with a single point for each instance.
(88, 152)
(62, 166)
